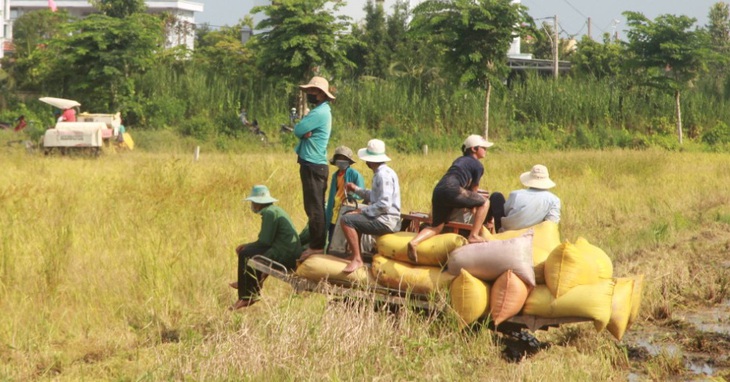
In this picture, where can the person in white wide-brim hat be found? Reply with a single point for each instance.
(313, 132)
(533, 205)
(382, 214)
(278, 240)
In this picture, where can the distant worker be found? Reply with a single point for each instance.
(20, 124)
(382, 214)
(533, 205)
(68, 115)
(243, 117)
(120, 133)
(278, 240)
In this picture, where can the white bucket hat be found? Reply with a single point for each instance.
(319, 83)
(260, 194)
(375, 152)
(476, 141)
(538, 178)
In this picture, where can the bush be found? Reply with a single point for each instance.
(200, 127)
(718, 134)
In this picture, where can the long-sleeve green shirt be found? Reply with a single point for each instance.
(277, 231)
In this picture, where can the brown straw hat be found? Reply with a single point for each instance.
(319, 83)
(345, 152)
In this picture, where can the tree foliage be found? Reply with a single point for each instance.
(95, 58)
(301, 38)
(599, 60)
(221, 51)
(31, 33)
(475, 35)
(119, 8)
(719, 27)
(669, 52)
(667, 49)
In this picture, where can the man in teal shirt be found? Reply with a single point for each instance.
(313, 132)
(278, 240)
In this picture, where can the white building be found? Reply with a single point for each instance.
(181, 33)
(5, 27)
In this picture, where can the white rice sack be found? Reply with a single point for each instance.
(487, 261)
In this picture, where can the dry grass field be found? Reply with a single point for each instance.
(117, 268)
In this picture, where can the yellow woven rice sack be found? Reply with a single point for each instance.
(507, 297)
(433, 251)
(469, 298)
(407, 277)
(567, 267)
(539, 302)
(329, 268)
(546, 237)
(587, 301)
(620, 307)
(635, 299)
(603, 262)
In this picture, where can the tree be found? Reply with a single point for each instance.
(302, 38)
(669, 52)
(719, 30)
(95, 59)
(221, 51)
(31, 33)
(475, 36)
(119, 8)
(599, 60)
(719, 27)
(377, 57)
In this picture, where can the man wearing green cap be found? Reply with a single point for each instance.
(278, 240)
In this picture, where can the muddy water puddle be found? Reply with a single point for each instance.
(701, 337)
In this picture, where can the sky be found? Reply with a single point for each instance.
(572, 15)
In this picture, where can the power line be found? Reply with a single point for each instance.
(575, 9)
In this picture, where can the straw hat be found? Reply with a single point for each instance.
(538, 178)
(375, 152)
(345, 152)
(319, 83)
(476, 141)
(260, 194)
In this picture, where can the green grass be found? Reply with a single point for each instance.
(116, 268)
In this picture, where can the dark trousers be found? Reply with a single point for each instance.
(330, 233)
(314, 186)
(249, 279)
(496, 210)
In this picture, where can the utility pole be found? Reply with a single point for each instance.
(556, 44)
(590, 35)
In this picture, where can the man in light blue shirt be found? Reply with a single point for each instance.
(382, 214)
(527, 207)
(313, 132)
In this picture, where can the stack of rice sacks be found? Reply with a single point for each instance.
(500, 279)
(526, 271)
(579, 282)
(493, 278)
(393, 269)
